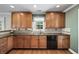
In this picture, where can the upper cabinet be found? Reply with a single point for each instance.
(15, 20)
(21, 20)
(55, 20)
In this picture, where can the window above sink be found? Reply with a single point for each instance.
(38, 23)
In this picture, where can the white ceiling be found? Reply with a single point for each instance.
(29, 7)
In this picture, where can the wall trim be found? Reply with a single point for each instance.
(72, 51)
(70, 7)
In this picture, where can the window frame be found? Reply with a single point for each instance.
(34, 25)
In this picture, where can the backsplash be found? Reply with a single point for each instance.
(53, 30)
(46, 31)
(66, 30)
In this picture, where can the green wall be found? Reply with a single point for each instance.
(71, 18)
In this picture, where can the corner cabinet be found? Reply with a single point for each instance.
(21, 20)
(63, 41)
(55, 20)
(3, 45)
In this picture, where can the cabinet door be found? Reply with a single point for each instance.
(0, 46)
(3, 46)
(55, 20)
(66, 42)
(63, 42)
(29, 20)
(34, 42)
(16, 20)
(23, 20)
(48, 22)
(27, 42)
(42, 42)
(18, 41)
(60, 20)
(10, 42)
(59, 41)
(14, 41)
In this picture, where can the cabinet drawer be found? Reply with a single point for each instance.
(63, 41)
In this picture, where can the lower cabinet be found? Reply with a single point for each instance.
(18, 41)
(10, 42)
(3, 45)
(34, 42)
(6, 44)
(42, 42)
(30, 41)
(27, 41)
(63, 41)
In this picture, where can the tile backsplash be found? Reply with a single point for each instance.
(53, 30)
(66, 30)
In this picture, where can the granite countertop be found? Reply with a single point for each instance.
(22, 33)
(5, 35)
(40, 34)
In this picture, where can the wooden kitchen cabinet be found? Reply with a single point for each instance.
(55, 20)
(60, 20)
(29, 20)
(34, 42)
(21, 20)
(42, 42)
(63, 41)
(27, 42)
(50, 20)
(16, 20)
(10, 42)
(26, 20)
(18, 41)
(3, 45)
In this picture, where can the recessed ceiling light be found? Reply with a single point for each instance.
(12, 6)
(57, 6)
(34, 6)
